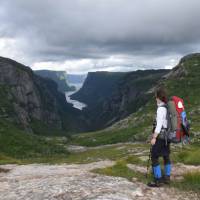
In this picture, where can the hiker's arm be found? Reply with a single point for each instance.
(159, 124)
(155, 135)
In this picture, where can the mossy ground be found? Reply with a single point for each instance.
(54, 150)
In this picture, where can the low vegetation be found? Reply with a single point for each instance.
(188, 155)
(190, 182)
(132, 133)
(16, 145)
(121, 170)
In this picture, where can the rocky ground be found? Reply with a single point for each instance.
(76, 182)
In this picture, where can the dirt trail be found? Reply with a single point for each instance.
(77, 148)
(76, 182)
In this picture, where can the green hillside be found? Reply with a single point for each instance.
(16, 146)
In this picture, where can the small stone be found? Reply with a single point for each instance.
(134, 179)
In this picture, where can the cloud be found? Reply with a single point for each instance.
(92, 35)
(112, 63)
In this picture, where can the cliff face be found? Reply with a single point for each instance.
(97, 87)
(32, 101)
(112, 96)
(131, 94)
(60, 77)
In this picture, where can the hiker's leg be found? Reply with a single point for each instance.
(167, 165)
(167, 169)
(156, 167)
(156, 172)
(155, 153)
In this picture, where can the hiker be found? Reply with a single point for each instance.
(160, 147)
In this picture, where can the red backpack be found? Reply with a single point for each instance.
(178, 125)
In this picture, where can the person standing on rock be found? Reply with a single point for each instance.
(159, 146)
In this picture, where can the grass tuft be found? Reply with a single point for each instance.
(188, 156)
(120, 169)
(190, 182)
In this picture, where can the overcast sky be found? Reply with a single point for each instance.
(89, 35)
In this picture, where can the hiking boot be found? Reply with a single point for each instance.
(155, 183)
(165, 179)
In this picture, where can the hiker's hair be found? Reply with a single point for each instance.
(161, 94)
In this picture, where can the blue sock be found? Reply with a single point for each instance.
(168, 169)
(157, 172)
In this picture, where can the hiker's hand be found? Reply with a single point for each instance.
(153, 141)
(149, 139)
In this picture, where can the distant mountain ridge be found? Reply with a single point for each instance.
(60, 77)
(76, 78)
